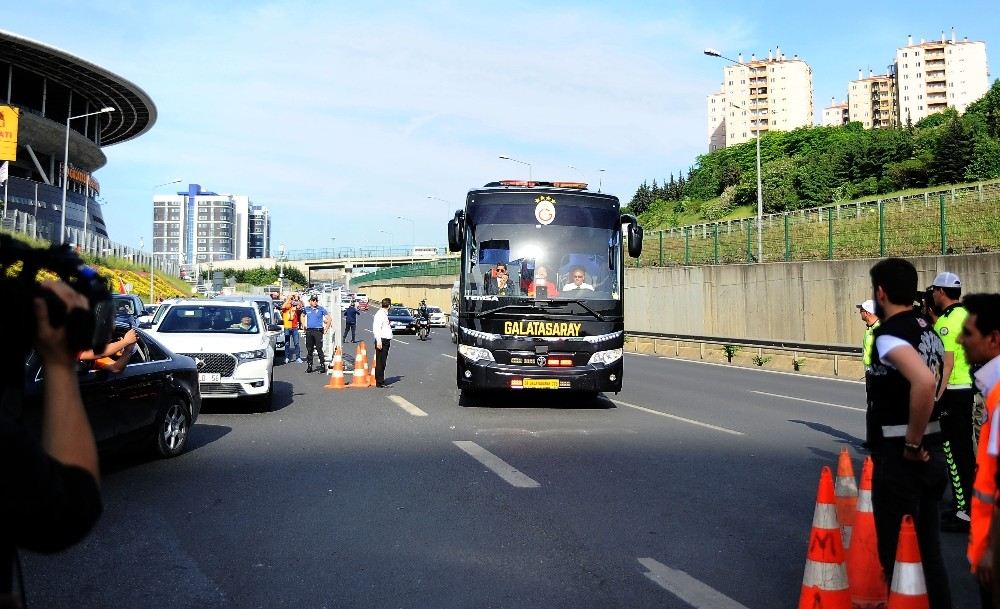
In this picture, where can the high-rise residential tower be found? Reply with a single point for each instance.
(934, 75)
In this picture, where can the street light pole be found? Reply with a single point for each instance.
(152, 258)
(65, 177)
(413, 229)
(507, 158)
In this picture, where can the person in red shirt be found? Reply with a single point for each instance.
(542, 280)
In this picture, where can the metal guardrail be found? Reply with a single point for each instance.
(835, 350)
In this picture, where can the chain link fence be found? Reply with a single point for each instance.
(435, 268)
(960, 220)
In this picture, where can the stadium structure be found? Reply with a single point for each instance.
(48, 86)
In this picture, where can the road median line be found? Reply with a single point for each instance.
(790, 397)
(681, 419)
(407, 406)
(498, 466)
(687, 588)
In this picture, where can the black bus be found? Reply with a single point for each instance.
(541, 287)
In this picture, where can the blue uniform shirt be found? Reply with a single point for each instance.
(314, 317)
(351, 313)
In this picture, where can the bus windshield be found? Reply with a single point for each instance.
(511, 254)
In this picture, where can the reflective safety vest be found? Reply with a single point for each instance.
(866, 344)
(984, 489)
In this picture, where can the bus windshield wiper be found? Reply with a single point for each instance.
(561, 302)
(527, 305)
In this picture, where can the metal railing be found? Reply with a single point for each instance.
(374, 251)
(958, 220)
(434, 268)
(835, 351)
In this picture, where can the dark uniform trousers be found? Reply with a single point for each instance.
(956, 427)
(314, 340)
(381, 355)
(901, 487)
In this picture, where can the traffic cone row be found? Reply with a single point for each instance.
(363, 376)
(835, 579)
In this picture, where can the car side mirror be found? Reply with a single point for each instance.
(146, 325)
(274, 328)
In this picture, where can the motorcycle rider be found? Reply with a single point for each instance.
(424, 321)
(423, 310)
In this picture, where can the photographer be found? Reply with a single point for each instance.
(50, 496)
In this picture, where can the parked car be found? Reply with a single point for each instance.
(437, 317)
(231, 344)
(154, 400)
(147, 314)
(271, 313)
(401, 321)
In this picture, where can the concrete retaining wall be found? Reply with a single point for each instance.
(799, 301)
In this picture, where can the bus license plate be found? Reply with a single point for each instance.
(541, 383)
(209, 378)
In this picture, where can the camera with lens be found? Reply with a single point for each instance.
(20, 265)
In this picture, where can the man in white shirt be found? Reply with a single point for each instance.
(578, 280)
(383, 338)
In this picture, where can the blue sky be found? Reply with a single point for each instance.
(340, 116)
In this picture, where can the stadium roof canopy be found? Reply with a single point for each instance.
(134, 112)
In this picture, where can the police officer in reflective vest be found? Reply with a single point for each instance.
(980, 340)
(955, 399)
(904, 432)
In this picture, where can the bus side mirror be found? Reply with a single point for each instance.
(634, 240)
(454, 235)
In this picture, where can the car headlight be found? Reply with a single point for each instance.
(246, 356)
(475, 353)
(606, 357)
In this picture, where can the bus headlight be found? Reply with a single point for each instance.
(606, 357)
(475, 353)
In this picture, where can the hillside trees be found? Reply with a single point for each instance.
(814, 166)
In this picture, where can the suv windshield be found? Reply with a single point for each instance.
(211, 319)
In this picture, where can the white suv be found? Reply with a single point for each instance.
(229, 342)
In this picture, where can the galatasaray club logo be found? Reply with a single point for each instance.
(545, 209)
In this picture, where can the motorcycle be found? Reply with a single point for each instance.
(423, 328)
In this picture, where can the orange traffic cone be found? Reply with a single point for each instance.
(337, 374)
(846, 490)
(360, 380)
(909, 590)
(864, 571)
(371, 371)
(824, 583)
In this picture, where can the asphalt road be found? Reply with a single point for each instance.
(694, 487)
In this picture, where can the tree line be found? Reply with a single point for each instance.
(262, 275)
(815, 166)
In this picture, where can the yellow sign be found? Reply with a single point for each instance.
(540, 384)
(8, 133)
(541, 328)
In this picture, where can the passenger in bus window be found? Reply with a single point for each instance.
(541, 280)
(498, 283)
(578, 280)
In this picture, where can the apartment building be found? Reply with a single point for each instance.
(935, 75)
(760, 95)
(199, 226)
(871, 100)
(836, 113)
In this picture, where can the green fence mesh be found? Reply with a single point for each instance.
(435, 268)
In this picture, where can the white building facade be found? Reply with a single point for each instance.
(932, 76)
(871, 101)
(759, 96)
(835, 114)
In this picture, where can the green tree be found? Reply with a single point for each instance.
(953, 154)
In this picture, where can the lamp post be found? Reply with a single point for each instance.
(600, 179)
(760, 196)
(507, 158)
(65, 177)
(152, 260)
(281, 272)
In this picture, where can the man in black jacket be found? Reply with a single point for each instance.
(904, 431)
(50, 496)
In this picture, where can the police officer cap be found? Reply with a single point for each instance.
(947, 280)
(868, 306)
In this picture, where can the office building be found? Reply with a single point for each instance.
(760, 95)
(199, 226)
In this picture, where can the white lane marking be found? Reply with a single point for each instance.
(687, 588)
(677, 418)
(748, 368)
(789, 397)
(407, 406)
(451, 356)
(498, 466)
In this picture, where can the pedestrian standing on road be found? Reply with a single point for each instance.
(383, 339)
(954, 399)
(980, 340)
(904, 432)
(350, 321)
(291, 311)
(316, 320)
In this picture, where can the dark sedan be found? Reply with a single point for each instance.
(401, 321)
(154, 400)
